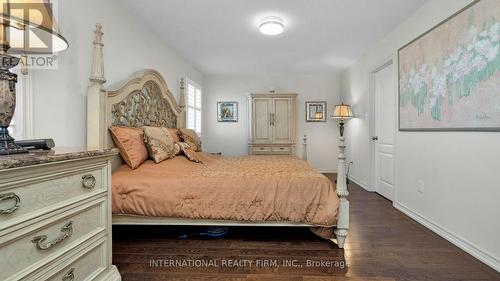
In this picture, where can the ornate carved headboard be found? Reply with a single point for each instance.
(144, 107)
(142, 100)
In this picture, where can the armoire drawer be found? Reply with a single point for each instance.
(28, 251)
(23, 202)
(261, 149)
(282, 149)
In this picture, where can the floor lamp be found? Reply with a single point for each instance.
(342, 112)
(26, 27)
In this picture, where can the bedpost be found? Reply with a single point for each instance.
(343, 216)
(95, 94)
(304, 148)
(181, 119)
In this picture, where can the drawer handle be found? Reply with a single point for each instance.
(67, 231)
(69, 276)
(282, 148)
(88, 181)
(8, 196)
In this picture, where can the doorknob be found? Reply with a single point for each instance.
(375, 138)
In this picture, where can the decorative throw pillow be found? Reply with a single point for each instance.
(177, 149)
(191, 154)
(130, 142)
(175, 134)
(191, 137)
(159, 143)
(184, 144)
(178, 145)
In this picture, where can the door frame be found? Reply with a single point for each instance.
(372, 100)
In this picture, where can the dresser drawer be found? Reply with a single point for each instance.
(23, 202)
(85, 267)
(28, 251)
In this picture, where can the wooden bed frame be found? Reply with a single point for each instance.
(145, 99)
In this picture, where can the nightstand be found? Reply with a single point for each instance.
(55, 215)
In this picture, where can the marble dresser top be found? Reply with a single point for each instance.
(35, 157)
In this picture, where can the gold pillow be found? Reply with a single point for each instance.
(159, 143)
(191, 137)
(130, 142)
(175, 134)
(178, 145)
(177, 149)
(191, 154)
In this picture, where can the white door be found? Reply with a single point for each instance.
(385, 128)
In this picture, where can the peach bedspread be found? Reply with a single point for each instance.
(248, 188)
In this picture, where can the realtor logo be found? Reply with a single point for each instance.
(33, 33)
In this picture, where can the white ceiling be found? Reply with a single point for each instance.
(221, 36)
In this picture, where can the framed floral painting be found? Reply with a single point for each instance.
(449, 77)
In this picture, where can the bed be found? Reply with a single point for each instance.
(223, 191)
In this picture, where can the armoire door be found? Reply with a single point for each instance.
(262, 132)
(280, 120)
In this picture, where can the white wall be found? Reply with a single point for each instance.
(60, 95)
(460, 170)
(232, 138)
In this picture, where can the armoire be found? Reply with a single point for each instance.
(272, 123)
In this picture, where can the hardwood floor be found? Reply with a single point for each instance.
(383, 244)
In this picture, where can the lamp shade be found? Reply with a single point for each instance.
(342, 111)
(28, 26)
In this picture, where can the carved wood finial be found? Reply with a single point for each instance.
(97, 70)
(98, 34)
(181, 95)
(181, 121)
(182, 83)
(304, 148)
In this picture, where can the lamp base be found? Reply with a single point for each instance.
(341, 127)
(7, 145)
(7, 104)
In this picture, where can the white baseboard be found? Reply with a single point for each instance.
(359, 182)
(458, 241)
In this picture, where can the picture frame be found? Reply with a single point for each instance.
(227, 111)
(446, 80)
(316, 111)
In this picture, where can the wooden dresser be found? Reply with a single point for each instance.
(55, 216)
(272, 123)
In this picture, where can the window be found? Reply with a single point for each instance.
(193, 106)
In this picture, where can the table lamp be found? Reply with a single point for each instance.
(26, 27)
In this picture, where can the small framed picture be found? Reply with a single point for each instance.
(227, 111)
(315, 111)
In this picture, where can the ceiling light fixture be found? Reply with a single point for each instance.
(271, 26)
